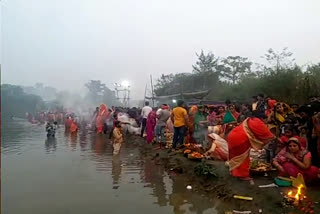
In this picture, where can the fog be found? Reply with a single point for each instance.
(66, 43)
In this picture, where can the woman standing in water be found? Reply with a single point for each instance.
(101, 118)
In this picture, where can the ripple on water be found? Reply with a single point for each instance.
(80, 173)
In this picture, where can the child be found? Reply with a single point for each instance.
(115, 119)
(117, 138)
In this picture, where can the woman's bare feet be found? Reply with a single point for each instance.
(248, 179)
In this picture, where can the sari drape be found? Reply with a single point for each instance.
(101, 118)
(151, 123)
(252, 133)
(291, 169)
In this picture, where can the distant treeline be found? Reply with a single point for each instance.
(17, 100)
(238, 79)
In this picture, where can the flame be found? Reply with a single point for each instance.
(290, 193)
(298, 193)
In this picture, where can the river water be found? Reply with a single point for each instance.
(78, 174)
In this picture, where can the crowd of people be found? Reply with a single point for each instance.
(288, 134)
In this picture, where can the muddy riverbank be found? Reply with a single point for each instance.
(222, 188)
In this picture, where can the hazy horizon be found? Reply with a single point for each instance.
(64, 44)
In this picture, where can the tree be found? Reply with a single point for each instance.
(45, 92)
(96, 87)
(99, 93)
(206, 68)
(163, 83)
(235, 66)
(205, 63)
(277, 60)
(312, 80)
(17, 102)
(96, 90)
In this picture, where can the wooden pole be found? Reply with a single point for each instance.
(152, 91)
(145, 94)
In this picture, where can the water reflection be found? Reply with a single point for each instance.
(93, 166)
(83, 140)
(116, 170)
(153, 175)
(73, 140)
(51, 145)
(99, 145)
(15, 132)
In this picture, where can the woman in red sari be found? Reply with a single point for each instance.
(101, 118)
(252, 133)
(294, 159)
(68, 123)
(73, 127)
(151, 124)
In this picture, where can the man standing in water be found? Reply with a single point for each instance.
(144, 113)
(179, 118)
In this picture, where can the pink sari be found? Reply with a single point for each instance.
(292, 169)
(151, 123)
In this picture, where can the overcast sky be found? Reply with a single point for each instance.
(64, 43)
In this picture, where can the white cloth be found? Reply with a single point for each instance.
(158, 111)
(219, 148)
(145, 111)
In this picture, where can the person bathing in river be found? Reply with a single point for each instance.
(101, 118)
(73, 127)
(294, 159)
(117, 138)
(50, 129)
(114, 121)
(68, 123)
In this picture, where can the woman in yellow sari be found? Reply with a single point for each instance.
(281, 113)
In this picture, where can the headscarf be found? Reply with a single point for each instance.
(193, 110)
(103, 109)
(271, 105)
(164, 107)
(294, 140)
(286, 110)
(281, 156)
